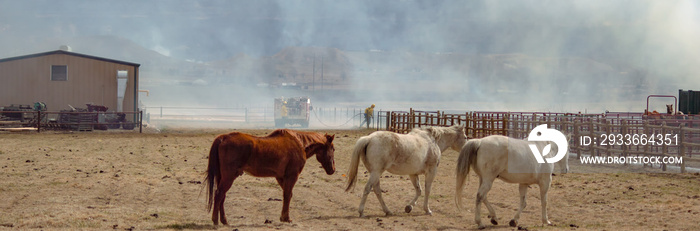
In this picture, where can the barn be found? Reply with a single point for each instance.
(61, 78)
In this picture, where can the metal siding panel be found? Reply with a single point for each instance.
(682, 101)
(24, 81)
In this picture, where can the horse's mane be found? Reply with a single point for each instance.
(305, 138)
(279, 132)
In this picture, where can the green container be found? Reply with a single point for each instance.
(689, 102)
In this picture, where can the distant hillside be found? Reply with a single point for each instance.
(485, 74)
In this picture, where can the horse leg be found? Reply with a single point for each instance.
(373, 179)
(544, 187)
(378, 192)
(429, 176)
(492, 212)
(287, 184)
(484, 187)
(523, 204)
(416, 185)
(225, 183)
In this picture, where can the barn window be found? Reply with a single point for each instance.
(59, 73)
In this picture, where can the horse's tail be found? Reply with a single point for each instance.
(212, 175)
(359, 151)
(467, 158)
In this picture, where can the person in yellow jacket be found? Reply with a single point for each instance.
(369, 114)
(284, 111)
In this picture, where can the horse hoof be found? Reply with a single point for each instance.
(482, 227)
(493, 221)
(388, 214)
(513, 223)
(408, 208)
(429, 213)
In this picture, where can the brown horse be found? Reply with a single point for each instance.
(282, 154)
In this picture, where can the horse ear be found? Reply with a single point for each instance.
(330, 137)
(433, 131)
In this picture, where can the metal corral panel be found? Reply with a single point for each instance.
(89, 79)
(689, 101)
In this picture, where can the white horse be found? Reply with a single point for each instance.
(489, 157)
(417, 152)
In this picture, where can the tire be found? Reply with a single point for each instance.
(128, 126)
(114, 125)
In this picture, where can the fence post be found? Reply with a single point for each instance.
(682, 146)
(140, 121)
(505, 124)
(411, 119)
(624, 131)
(467, 122)
(591, 130)
(533, 122)
(577, 145)
(608, 131)
(388, 119)
(645, 129)
(664, 148)
(438, 119)
(38, 121)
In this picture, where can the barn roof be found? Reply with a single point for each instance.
(69, 53)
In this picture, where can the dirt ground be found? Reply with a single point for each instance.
(131, 181)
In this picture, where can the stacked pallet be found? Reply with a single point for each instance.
(77, 121)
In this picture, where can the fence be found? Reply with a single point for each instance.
(616, 133)
(72, 120)
(478, 124)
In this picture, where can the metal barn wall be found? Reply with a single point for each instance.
(28, 80)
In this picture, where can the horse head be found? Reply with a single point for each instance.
(460, 137)
(325, 154)
(448, 137)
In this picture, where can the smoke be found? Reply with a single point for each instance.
(528, 55)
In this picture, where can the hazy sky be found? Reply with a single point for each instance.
(658, 37)
(211, 30)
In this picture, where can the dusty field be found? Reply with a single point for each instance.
(123, 181)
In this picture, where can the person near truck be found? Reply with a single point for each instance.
(284, 111)
(369, 114)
